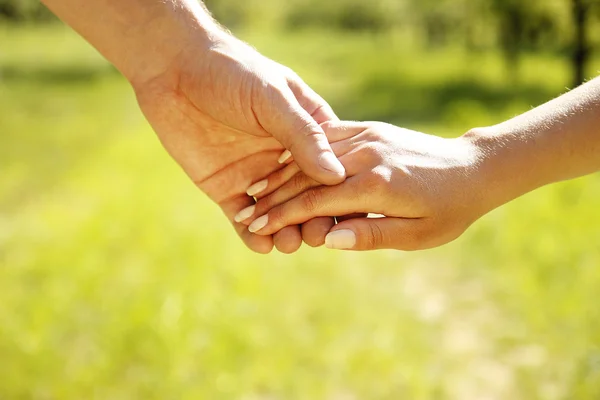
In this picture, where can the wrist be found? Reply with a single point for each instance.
(506, 168)
(155, 47)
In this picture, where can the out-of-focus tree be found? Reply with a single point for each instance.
(545, 25)
(523, 26)
(581, 13)
(348, 15)
(438, 22)
(22, 10)
(564, 27)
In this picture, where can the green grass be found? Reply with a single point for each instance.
(119, 280)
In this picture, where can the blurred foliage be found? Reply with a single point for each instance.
(24, 10)
(352, 15)
(567, 27)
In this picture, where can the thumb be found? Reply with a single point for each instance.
(377, 233)
(298, 132)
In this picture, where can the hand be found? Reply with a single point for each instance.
(222, 113)
(429, 189)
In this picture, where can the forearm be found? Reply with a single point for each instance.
(557, 141)
(140, 37)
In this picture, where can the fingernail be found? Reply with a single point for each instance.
(340, 240)
(245, 214)
(331, 163)
(258, 224)
(257, 187)
(284, 156)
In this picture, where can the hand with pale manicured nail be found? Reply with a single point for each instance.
(222, 110)
(425, 186)
(220, 147)
(430, 189)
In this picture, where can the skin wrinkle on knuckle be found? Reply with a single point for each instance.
(299, 182)
(364, 153)
(263, 205)
(327, 125)
(375, 236)
(310, 128)
(370, 186)
(311, 200)
(297, 139)
(369, 150)
(319, 108)
(277, 218)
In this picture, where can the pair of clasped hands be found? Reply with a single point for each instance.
(273, 155)
(226, 114)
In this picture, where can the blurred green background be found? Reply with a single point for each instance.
(118, 280)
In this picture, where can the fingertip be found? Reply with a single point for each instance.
(258, 224)
(326, 169)
(313, 153)
(258, 244)
(245, 214)
(288, 240)
(264, 249)
(284, 157)
(329, 162)
(315, 231)
(257, 188)
(341, 239)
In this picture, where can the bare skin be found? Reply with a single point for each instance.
(223, 111)
(431, 189)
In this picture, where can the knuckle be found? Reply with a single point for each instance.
(311, 200)
(327, 125)
(370, 152)
(299, 182)
(377, 182)
(375, 236)
(371, 135)
(308, 128)
(264, 205)
(277, 217)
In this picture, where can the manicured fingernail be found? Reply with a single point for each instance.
(331, 163)
(340, 240)
(245, 214)
(258, 224)
(257, 187)
(284, 156)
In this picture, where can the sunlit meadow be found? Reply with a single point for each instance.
(120, 280)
